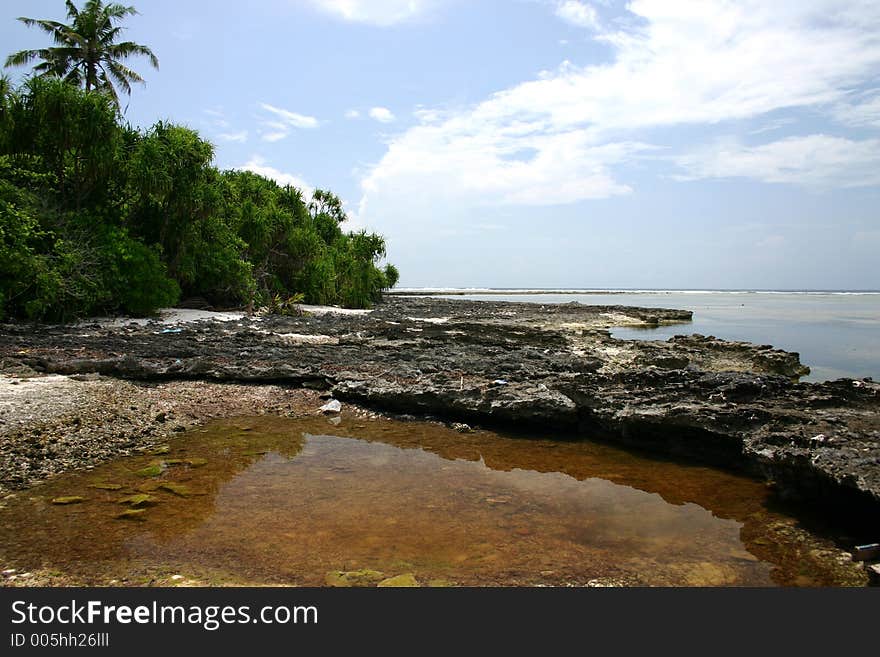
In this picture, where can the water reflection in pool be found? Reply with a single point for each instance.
(285, 501)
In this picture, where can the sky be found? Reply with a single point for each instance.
(679, 144)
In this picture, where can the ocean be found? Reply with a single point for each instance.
(837, 334)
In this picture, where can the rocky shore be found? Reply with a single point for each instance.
(554, 368)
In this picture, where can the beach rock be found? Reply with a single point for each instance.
(352, 578)
(407, 580)
(874, 574)
(733, 404)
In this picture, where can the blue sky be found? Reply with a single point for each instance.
(648, 144)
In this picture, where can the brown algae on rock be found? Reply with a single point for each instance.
(106, 486)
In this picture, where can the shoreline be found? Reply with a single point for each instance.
(554, 367)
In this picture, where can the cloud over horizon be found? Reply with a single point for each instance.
(561, 137)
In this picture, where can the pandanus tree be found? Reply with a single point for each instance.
(87, 51)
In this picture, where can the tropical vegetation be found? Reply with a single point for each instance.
(97, 216)
(87, 51)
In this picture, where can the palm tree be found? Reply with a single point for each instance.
(86, 51)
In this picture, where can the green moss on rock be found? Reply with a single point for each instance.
(407, 580)
(69, 499)
(345, 579)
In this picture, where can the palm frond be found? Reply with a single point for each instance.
(122, 76)
(129, 48)
(86, 50)
(55, 29)
(22, 57)
(117, 10)
(105, 86)
(72, 11)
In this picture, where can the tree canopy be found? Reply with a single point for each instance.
(88, 51)
(98, 217)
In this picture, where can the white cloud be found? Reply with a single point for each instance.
(352, 114)
(240, 137)
(217, 121)
(382, 114)
(691, 62)
(578, 13)
(291, 118)
(217, 118)
(863, 112)
(258, 165)
(377, 12)
(818, 161)
(774, 125)
(284, 122)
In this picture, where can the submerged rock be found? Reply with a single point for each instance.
(132, 514)
(345, 579)
(407, 580)
(176, 489)
(70, 499)
(150, 471)
(105, 486)
(194, 462)
(139, 500)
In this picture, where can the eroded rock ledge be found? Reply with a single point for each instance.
(554, 367)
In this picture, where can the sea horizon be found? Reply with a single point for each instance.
(622, 290)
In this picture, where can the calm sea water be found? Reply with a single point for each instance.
(837, 334)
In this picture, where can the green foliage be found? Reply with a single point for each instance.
(56, 129)
(137, 278)
(98, 218)
(278, 305)
(391, 276)
(87, 51)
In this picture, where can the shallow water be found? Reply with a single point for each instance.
(836, 334)
(285, 501)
